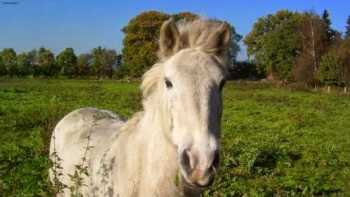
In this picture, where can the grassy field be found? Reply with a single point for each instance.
(275, 142)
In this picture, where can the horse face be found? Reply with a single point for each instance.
(193, 82)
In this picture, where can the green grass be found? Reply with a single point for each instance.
(274, 141)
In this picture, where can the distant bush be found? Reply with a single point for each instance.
(330, 69)
(244, 70)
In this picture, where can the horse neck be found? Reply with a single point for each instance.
(156, 120)
(155, 129)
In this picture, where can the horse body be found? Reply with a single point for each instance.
(115, 156)
(168, 149)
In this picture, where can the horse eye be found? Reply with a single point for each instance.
(222, 84)
(168, 83)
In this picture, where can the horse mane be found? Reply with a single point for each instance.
(150, 79)
(199, 33)
(131, 123)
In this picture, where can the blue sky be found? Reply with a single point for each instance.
(85, 24)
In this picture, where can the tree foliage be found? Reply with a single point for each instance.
(34, 61)
(141, 42)
(103, 61)
(330, 68)
(335, 65)
(8, 58)
(2, 67)
(83, 64)
(331, 33)
(347, 31)
(67, 62)
(46, 63)
(274, 43)
(24, 64)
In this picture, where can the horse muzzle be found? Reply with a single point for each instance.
(194, 174)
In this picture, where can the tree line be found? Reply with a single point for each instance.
(99, 62)
(300, 47)
(285, 46)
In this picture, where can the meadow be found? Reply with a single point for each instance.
(275, 142)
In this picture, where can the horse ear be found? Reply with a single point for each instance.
(220, 40)
(169, 42)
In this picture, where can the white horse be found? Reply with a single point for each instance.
(171, 148)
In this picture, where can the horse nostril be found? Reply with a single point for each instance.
(216, 160)
(186, 161)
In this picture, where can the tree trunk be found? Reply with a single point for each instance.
(313, 51)
(329, 89)
(345, 89)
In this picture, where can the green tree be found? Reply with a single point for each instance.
(46, 62)
(8, 56)
(274, 43)
(330, 70)
(2, 67)
(331, 33)
(67, 62)
(24, 64)
(33, 56)
(83, 64)
(347, 31)
(141, 42)
(97, 61)
(103, 61)
(111, 59)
